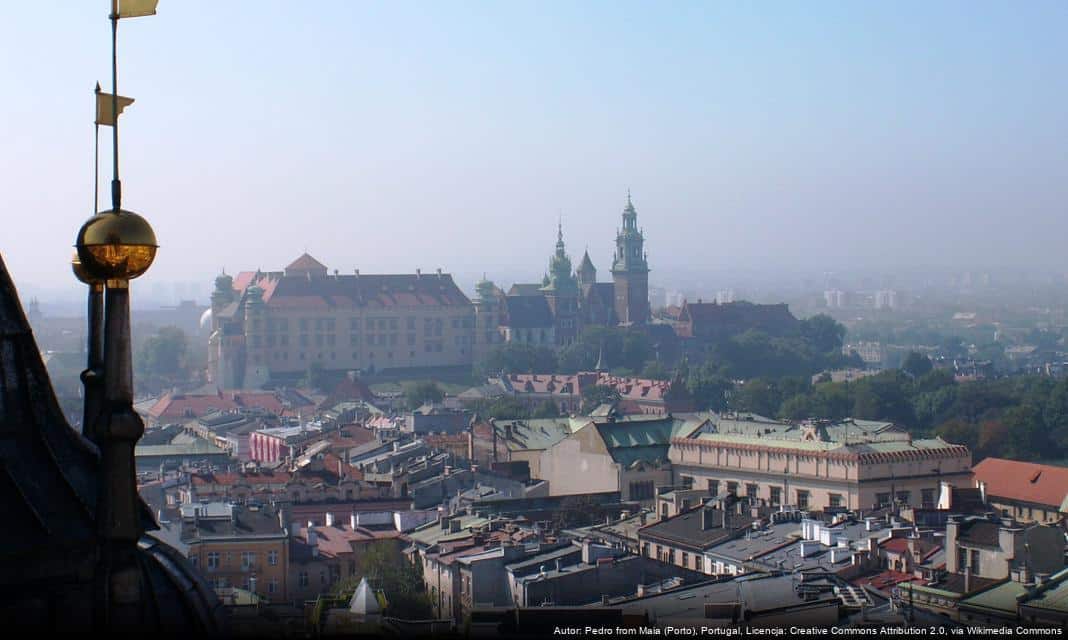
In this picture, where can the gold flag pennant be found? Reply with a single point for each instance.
(133, 8)
(104, 113)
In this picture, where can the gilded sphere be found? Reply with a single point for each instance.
(116, 245)
(79, 270)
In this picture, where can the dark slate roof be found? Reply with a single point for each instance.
(603, 293)
(48, 486)
(306, 263)
(47, 470)
(980, 532)
(739, 316)
(525, 289)
(527, 312)
(587, 264)
(244, 523)
(381, 291)
(686, 528)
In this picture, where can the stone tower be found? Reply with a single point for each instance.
(630, 271)
(487, 319)
(562, 293)
(255, 374)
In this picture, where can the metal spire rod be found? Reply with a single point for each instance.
(116, 186)
(96, 157)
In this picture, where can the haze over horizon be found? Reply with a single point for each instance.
(394, 137)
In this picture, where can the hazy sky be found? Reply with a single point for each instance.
(390, 136)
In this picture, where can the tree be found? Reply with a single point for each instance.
(163, 355)
(916, 364)
(823, 333)
(419, 393)
(760, 396)
(316, 376)
(708, 387)
(797, 407)
(595, 395)
(518, 358)
(883, 397)
(503, 408)
(386, 568)
(547, 409)
(655, 370)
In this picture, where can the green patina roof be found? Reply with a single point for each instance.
(1000, 598)
(534, 434)
(1055, 598)
(431, 533)
(199, 447)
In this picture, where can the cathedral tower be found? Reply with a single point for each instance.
(562, 293)
(630, 271)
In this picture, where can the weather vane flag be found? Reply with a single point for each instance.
(133, 8)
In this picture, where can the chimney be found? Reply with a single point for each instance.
(444, 523)
(418, 273)
(708, 519)
(967, 579)
(329, 519)
(454, 526)
(352, 521)
(982, 490)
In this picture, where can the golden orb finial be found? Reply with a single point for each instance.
(116, 245)
(80, 272)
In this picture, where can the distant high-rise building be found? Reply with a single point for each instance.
(886, 299)
(725, 296)
(836, 298)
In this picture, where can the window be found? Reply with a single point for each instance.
(802, 499)
(248, 559)
(927, 496)
(904, 496)
(354, 323)
(411, 323)
(272, 558)
(322, 577)
(685, 559)
(644, 490)
(213, 560)
(751, 491)
(882, 499)
(775, 496)
(732, 487)
(272, 586)
(835, 500)
(713, 487)
(302, 579)
(194, 560)
(303, 324)
(975, 562)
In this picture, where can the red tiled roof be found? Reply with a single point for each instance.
(1023, 481)
(896, 545)
(232, 478)
(180, 405)
(885, 580)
